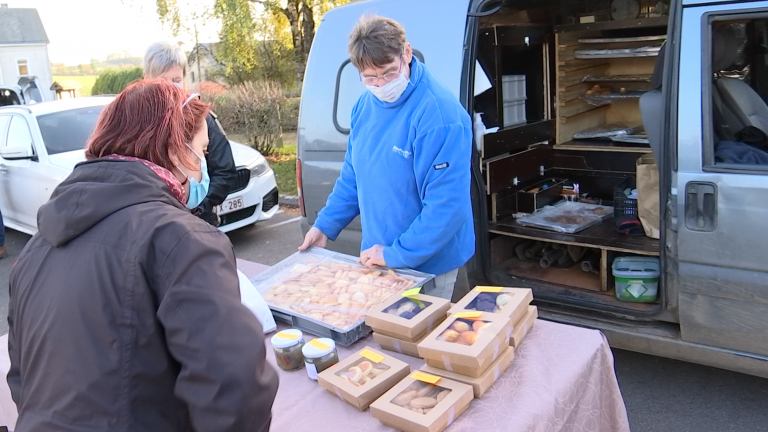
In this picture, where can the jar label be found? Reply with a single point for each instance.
(319, 345)
(311, 371)
(372, 356)
(286, 335)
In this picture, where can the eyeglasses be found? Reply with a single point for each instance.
(192, 96)
(387, 77)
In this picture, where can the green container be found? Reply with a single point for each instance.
(637, 279)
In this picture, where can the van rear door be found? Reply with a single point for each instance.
(435, 29)
(721, 206)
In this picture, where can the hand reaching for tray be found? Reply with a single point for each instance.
(314, 237)
(373, 257)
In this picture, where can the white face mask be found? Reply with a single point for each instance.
(392, 90)
(179, 85)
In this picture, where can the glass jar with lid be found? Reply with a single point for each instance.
(288, 345)
(319, 355)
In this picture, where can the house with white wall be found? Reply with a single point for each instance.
(24, 49)
(202, 65)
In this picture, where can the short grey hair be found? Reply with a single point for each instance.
(161, 56)
(376, 41)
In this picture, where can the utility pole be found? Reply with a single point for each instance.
(197, 48)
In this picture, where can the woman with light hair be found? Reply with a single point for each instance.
(166, 61)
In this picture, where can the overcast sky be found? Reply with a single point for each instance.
(83, 29)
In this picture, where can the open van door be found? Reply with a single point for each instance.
(332, 85)
(720, 209)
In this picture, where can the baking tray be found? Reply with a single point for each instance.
(647, 51)
(568, 217)
(309, 304)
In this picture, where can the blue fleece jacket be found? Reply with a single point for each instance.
(407, 173)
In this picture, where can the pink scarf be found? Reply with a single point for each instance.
(173, 183)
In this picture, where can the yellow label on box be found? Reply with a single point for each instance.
(412, 292)
(425, 377)
(488, 289)
(286, 335)
(319, 345)
(469, 315)
(372, 356)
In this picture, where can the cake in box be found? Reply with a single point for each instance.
(467, 341)
(407, 317)
(512, 302)
(484, 382)
(363, 377)
(422, 403)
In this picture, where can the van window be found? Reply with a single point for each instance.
(349, 87)
(348, 90)
(736, 79)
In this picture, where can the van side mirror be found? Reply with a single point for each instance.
(17, 152)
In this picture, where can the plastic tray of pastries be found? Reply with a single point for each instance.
(328, 294)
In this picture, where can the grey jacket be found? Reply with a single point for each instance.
(125, 315)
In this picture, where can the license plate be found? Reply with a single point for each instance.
(231, 205)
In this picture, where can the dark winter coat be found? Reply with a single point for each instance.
(125, 315)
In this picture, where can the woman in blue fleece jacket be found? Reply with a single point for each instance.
(407, 167)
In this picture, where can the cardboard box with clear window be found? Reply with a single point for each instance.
(399, 346)
(467, 342)
(363, 377)
(484, 382)
(511, 302)
(523, 326)
(422, 403)
(407, 318)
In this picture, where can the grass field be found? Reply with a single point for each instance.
(282, 161)
(85, 81)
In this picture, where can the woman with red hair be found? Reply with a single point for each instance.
(125, 311)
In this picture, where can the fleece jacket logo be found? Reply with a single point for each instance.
(404, 153)
(441, 166)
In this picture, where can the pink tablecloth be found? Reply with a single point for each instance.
(562, 379)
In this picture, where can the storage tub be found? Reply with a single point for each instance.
(637, 279)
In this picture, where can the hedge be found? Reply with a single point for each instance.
(115, 81)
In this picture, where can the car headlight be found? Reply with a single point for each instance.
(259, 168)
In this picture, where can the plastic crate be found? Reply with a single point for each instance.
(624, 208)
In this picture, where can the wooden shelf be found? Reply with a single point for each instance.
(613, 55)
(622, 39)
(610, 97)
(572, 277)
(614, 25)
(617, 78)
(601, 236)
(516, 138)
(600, 145)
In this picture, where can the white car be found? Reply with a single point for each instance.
(41, 144)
